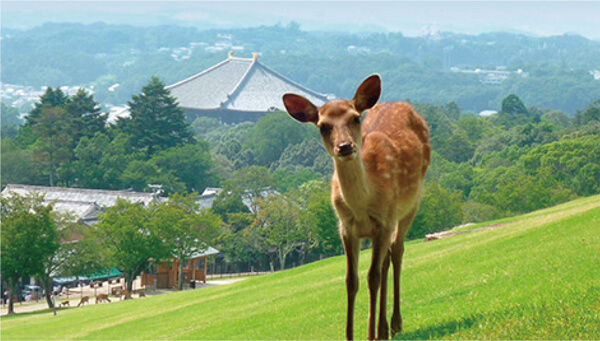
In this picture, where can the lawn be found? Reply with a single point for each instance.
(535, 277)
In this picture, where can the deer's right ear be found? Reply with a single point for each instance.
(300, 108)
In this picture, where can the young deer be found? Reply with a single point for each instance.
(378, 178)
(84, 300)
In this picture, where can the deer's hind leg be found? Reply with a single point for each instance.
(397, 252)
(381, 245)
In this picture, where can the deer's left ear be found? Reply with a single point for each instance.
(368, 93)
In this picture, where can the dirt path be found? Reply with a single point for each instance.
(450, 233)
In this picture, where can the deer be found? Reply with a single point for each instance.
(102, 297)
(379, 169)
(125, 295)
(84, 300)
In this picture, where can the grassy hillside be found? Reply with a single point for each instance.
(534, 277)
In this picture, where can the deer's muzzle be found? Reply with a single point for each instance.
(345, 149)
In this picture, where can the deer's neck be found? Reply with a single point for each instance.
(353, 183)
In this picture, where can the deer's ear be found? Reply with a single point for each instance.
(367, 93)
(300, 108)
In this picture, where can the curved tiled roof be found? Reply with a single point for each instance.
(84, 204)
(238, 84)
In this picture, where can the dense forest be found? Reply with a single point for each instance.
(476, 72)
(541, 148)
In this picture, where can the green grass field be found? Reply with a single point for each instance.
(535, 277)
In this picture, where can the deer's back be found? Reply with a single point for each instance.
(396, 154)
(397, 120)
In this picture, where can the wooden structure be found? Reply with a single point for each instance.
(165, 275)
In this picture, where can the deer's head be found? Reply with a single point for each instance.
(338, 120)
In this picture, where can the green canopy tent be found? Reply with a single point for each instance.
(105, 274)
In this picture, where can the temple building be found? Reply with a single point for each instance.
(237, 90)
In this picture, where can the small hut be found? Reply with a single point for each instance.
(164, 275)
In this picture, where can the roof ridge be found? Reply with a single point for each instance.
(71, 189)
(168, 87)
(238, 85)
(59, 200)
(312, 92)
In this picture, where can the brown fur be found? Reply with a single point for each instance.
(375, 187)
(102, 297)
(84, 299)
(142, 294)
(65, 303)
(125, 294)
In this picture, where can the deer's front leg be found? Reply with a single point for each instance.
(352, 249)
(381, 246)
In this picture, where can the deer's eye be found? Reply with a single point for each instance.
(325, 129)
(357, 120)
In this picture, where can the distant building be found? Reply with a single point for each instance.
(487, 113)
(237, 90)
(84, 204)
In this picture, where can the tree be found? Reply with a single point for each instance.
(272, 134)
(592, 113)
(156, 122)
(81, 257)
(514, 113)
(68, 257)
(51, 98)
(87, 119)
(191, 163)
(53, 146)
(457, 147)
(129, 238)
(101, 161)
(139, 174)
(10, 120)
(185, 228)
(29, 237)
(18, 165)
(250, 183)
(276, 226)
(317, 220)
(233, 242)
(286, 180)
(438, 211)
(227, 203)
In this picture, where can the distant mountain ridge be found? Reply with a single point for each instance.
(102, 55)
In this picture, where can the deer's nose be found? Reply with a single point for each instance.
(345, 148)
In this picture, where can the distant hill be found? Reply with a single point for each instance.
(553, 72)
(530, 277)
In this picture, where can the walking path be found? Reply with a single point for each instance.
(75, 295)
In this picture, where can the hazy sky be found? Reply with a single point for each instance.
(409, 17)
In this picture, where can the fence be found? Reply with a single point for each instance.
(235, 275)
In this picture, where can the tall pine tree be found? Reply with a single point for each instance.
(51, 98)
(87, 119)
(156, 121)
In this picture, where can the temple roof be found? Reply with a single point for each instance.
(239, 84)
(84, 204)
